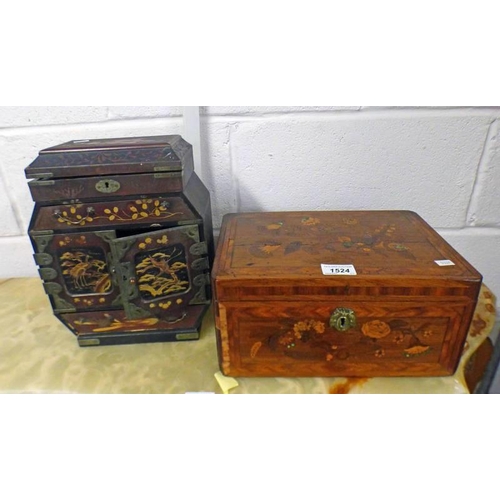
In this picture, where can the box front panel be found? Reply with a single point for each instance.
(343, 339)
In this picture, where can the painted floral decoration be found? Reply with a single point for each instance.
(78, 215)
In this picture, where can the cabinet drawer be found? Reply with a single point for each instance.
(344, 339)
(87, 188)
(140, 212)
(113, 327)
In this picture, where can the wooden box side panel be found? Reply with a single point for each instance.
(197, 195)
(297, 339)
(222, 253)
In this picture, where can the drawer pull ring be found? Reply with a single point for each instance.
(343, 319)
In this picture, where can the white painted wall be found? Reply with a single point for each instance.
(443, 163)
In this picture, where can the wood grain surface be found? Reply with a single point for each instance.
(274, 306)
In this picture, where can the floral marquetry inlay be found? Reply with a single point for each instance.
(313, 340)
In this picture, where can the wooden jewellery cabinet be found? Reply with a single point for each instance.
(122, 235)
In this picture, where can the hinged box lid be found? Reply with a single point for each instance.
(288, 255)
(87, 158)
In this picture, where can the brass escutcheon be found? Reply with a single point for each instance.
(342, 319)
(107, 186)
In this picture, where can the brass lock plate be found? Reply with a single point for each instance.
(343, 319)
(107, 186)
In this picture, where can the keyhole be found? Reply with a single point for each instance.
(343, 319)
(106, 185)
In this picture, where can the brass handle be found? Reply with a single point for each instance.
(343, 319)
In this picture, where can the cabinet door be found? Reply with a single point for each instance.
(76, 270)
(162, 272)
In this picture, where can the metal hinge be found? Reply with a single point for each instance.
(42, 241)
(45, 232)
(36, 175)
(52, 288)
(165, 168)
(47, 273)
(200, 264)
(60, 305)
(202, 279)
(88, 342)
(42, 183)
(165, 174)
(127, 280)
(187, 336)
(189, 222)
(43, 259)
(198, 248)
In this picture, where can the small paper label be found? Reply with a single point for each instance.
(338, 269)
(444, 262)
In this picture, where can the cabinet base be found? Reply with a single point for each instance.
(138, 338)
(101, 328)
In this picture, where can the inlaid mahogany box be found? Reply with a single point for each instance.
(122, 234)
(350, 294)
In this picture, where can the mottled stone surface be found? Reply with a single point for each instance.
(39, 355)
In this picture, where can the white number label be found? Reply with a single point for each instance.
(444, 262)
(338, 269)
